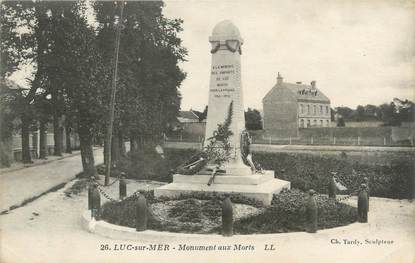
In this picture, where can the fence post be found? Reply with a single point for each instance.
(95, 203)
(312, 141)
(384, 140)
(311, 209)
(227, 217)
(181, 137)
(332, 187)
(334, 140)
(290, 140)
(362, 204)
(358, 140)
(141, 213)
(270, 139)
(122, 186)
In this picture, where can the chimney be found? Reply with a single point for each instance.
(279, 79)
(313, 84)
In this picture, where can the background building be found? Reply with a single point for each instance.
(289, 106)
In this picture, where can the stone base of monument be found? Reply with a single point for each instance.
(260, 187)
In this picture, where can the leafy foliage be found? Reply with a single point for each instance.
(253, 120)
(218, 149)
(391, 114)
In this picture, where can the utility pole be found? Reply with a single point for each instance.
(112, 99)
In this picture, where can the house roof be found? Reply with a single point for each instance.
(188, 115)
(302, 92)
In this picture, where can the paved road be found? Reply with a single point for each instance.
(18, 186)
(49, 230)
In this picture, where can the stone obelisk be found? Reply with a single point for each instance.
(226, 87)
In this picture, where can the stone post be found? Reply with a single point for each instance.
(227, 217)
(122, 187)
(311, 210)
(362, 204)
(141, 214)
(95, 203)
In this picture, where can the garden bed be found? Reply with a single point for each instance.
(202, 214)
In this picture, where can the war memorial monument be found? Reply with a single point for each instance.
(238, 173)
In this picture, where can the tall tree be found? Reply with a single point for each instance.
(253, 120)
(149, 77)
(16, 21)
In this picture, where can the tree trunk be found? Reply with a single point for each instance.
(123, 151)
(43, 147)
(133, 144)
(105, 150)
(115, 148)
(87, 153)
(68, 130)
(6, 151)
(26, 158)
(57, 136)
(35, 146)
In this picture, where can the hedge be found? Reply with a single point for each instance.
(304, 171)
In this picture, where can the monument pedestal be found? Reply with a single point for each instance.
(260, 187)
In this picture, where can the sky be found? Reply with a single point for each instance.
(359, 52)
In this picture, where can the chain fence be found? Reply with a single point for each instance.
(107, 196)
(344, 198)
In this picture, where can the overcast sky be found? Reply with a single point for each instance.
(359, 52)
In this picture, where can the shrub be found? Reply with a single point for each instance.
(147, 164)
(394, 180)
(287, 214)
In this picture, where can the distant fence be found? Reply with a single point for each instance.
(184, 138)
(351, 141)
(311, 140)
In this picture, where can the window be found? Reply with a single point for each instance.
(301, 123)
(308, 123)
(321, 123)
(308, 109)
(327, 110)
(321, 109)
(314, 110)
(301, 108)
(328, 123)
(315, 122)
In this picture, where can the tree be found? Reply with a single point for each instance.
(345, 112)
(340, 122)
(253, 120)
(147, 93)
(360, 113)
(82, 75)
(17, 21)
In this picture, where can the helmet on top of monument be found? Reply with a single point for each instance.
(226, 36)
